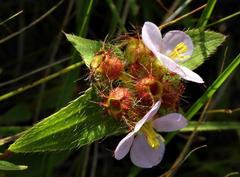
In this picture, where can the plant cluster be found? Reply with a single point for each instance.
(133, 80)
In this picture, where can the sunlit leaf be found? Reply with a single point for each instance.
(78, 124)
(87, 48)
(7, 166)
(205, 43)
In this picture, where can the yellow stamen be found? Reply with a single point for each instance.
(153, 138)
(178, 51)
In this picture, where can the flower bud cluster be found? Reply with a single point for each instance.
(131, 81)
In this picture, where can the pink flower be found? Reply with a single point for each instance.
(145, 145)
(174, 47)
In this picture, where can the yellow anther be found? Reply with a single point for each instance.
(178, 51)
(153, 138)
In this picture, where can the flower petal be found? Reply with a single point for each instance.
(173, 38)
(151, 37)
(170, 122)
(148, 116)
(182, 71)
(124, 146)
(142, 155)
(170, 64)
(191, 76)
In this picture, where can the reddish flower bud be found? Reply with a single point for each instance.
(119, 101)
(112, 67)
(149, 89)
(107, 64)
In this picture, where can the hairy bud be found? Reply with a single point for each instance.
(107, 65)
(119, 101)
(136, 50)
(149, 89)
(112, 67)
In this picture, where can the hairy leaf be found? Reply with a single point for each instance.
(205, 43)
(78, 124)
(86, 47)
(7, 166)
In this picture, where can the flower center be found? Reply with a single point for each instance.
(153, 138)
(178, 51)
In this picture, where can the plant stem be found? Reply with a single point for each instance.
(177, 11)
(213, 88)
(40, 81)
(11, 17)
(180, 159)
(224, 19)
(31, 24)
(117, 16)
(182, 17)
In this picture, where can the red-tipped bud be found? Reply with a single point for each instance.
(107, 65)
(119, 101)
(149, 89)
(112, 67)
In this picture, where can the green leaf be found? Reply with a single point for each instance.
(76, 125)
(211, 126)
(205, 43)
(4, 165)
(87, 48)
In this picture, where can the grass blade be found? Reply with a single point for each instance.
(213, 88)
(11, 17)
(206, 13)
(209, 93)
(211, 126)
(116, 15)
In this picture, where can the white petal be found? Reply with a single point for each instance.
(142, 155)
(151, 37)
(182, 71)
(148, 116)
(170, 64)
(124, 146)
(170, 122)
(191, 76)
(173, 38)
